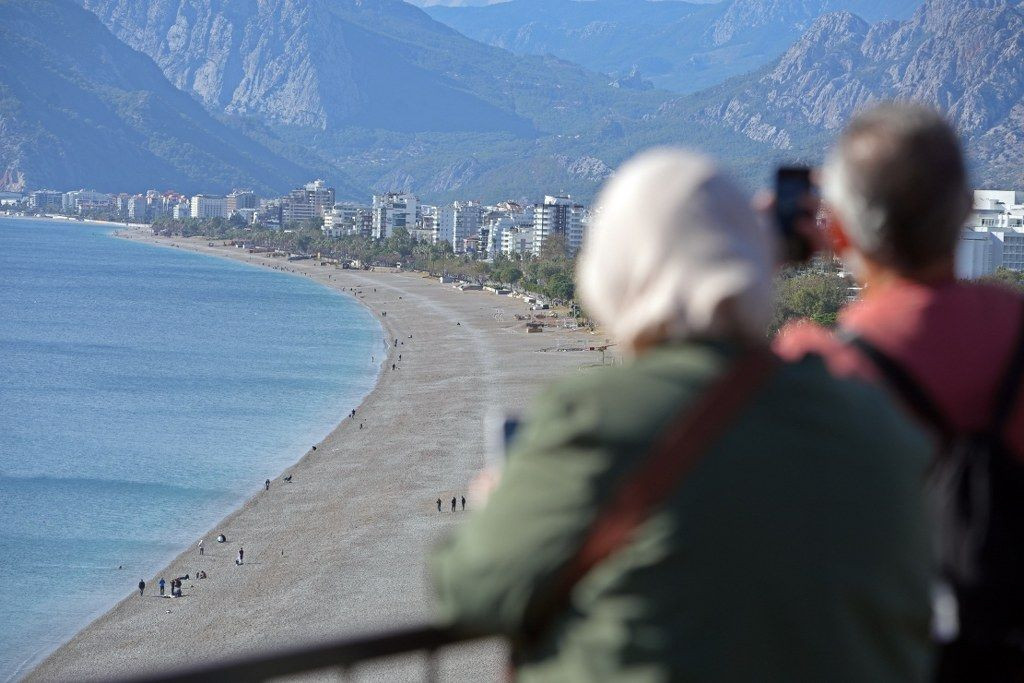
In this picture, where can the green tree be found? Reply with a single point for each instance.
(808, 294)
(1005, 277)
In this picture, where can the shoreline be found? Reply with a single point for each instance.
(315, 435)
(130, 637)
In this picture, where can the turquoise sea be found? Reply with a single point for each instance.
(144, 393)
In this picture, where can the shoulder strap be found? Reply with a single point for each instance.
(645, 489)
(1006, 399)
(900, 380)
(919, 401)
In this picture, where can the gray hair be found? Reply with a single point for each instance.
(897, 181)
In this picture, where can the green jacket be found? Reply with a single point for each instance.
(795, 550)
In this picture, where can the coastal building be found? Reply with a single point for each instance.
(269, 215)
(427, 228)
(84, 201)
(312, 200)
(457, 222)
(393, 211)
(241, 199)
(994, 235)
(500, 218)
(181, 210)
(209, 206)
(517, 241)
(558, 215)
(348, 219)
(45, 200)
(137, 208)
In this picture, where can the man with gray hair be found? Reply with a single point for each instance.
(895, 196)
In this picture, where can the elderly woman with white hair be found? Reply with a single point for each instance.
(700, 512)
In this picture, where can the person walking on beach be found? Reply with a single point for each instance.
(453, 503)
(162, 585)
(241, 555)
(142, 587)
(200, 547)
(463, 503)
(266, 485)
(438, 504)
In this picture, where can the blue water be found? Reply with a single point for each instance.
(144, 392)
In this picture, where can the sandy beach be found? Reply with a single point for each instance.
(341, 549)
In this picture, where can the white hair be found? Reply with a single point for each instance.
(676, 252)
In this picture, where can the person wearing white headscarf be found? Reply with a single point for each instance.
(791, 547)
(676, 252)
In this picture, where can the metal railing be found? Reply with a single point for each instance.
(341, 656)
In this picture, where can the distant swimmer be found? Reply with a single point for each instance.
(438, 504)
(142, 586)
(453, 504)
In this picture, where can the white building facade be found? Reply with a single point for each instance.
(558, 215)
(394, 210)
(208, 206)
(994, 235)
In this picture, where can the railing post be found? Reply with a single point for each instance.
(431, 666)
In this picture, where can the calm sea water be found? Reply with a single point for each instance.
(144, 392)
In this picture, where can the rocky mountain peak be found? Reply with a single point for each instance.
(966, 58)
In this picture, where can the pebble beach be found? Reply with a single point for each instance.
(340, 549)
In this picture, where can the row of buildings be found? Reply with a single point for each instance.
(994, 235)
(483, 231)
(468, 226)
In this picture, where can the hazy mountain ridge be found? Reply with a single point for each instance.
(678, 45)
(843, 64)
(381, 89)
(333, 63)
(78, 107)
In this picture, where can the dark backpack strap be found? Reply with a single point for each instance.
(1006, 399)
(900, 380)
(654, 480)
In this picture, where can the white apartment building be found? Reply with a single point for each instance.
(994, 234)
(45, 200)
(348, 219)
(78, 201)
(312, 200)
(428, 228)
(138, 208)
(558, 215)
(394, 210)
(208, 206)
(458, 222)
(517, 241)
(500, 219)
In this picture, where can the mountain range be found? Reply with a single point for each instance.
(78, 106)
(378, 95)
(965, 57)
(678, 46)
